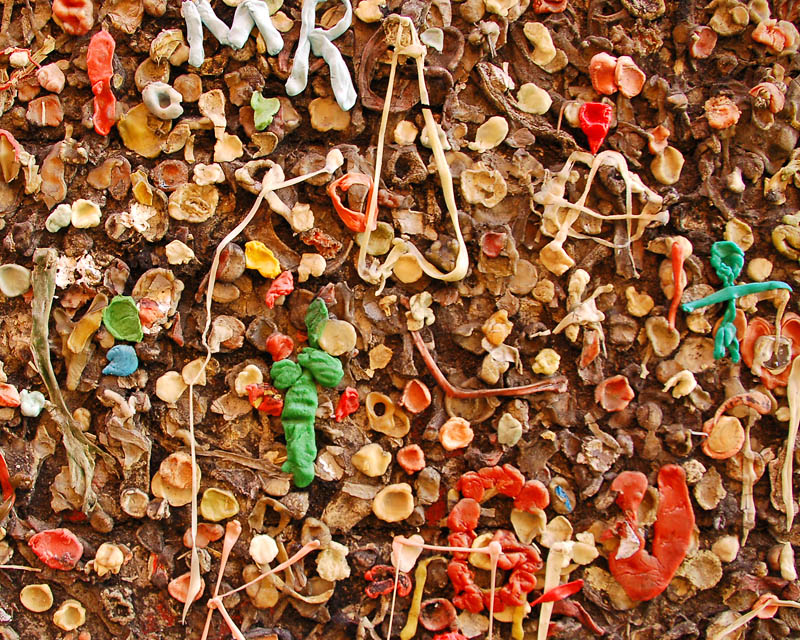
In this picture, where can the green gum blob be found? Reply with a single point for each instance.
(121, 318)
(264, 110)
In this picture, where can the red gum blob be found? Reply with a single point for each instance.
(770, 95)
(471, 485)
(57, 548)
(436, 614)
(99, 64)
(279, 346)
(149, 312)
(644, 576)
(704, 39)
(5, 482)
(382, 578)
(595, 120)
(347, 405)
(658, 139)
(411, 458)
(628, 77)
(767, 612)
(416, 396)
(13, 142)
(559, 593)
(178, 588)
(771, 35)
(75, 17)
(464, 516)
(450, 635)
(591, 348)
(575, 610)
(602, 72)
(353, 220)
(206, 533)
(265, 398)
(492, 243)
(507, 480)
(534, 495)
(283, 285)
(9, 396)
(549, 6)
(614, 394)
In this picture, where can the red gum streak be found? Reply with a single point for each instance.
(558, 383)
(677, 270)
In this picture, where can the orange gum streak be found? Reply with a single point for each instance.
(678, 259)
(559, 383)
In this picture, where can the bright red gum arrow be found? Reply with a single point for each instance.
(595, 120)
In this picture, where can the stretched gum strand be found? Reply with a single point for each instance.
(232, 532)
(748, 504)
(260, 16)
(734, 292)
(194, 579)
(558, 383)
(793, 396)
(241, 26)
(493, 550)
(557, 558)
(633, 184)
(743, 620)
(216, 601)
(612, 158)
(194, 32)
(753, 399)
(376, 275)
(247, 15)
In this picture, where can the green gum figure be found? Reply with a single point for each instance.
(727, 259)
(313, 367)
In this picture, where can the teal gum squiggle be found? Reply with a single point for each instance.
(727, 259)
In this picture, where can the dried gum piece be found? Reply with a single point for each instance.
(371, 460)
(384, 417)
(218, 504)
(251, 374)
(456, 433)
(338, 337)
(393, 503)
(36, 597)
(70, 615)
(170, 387)
(263, 549)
